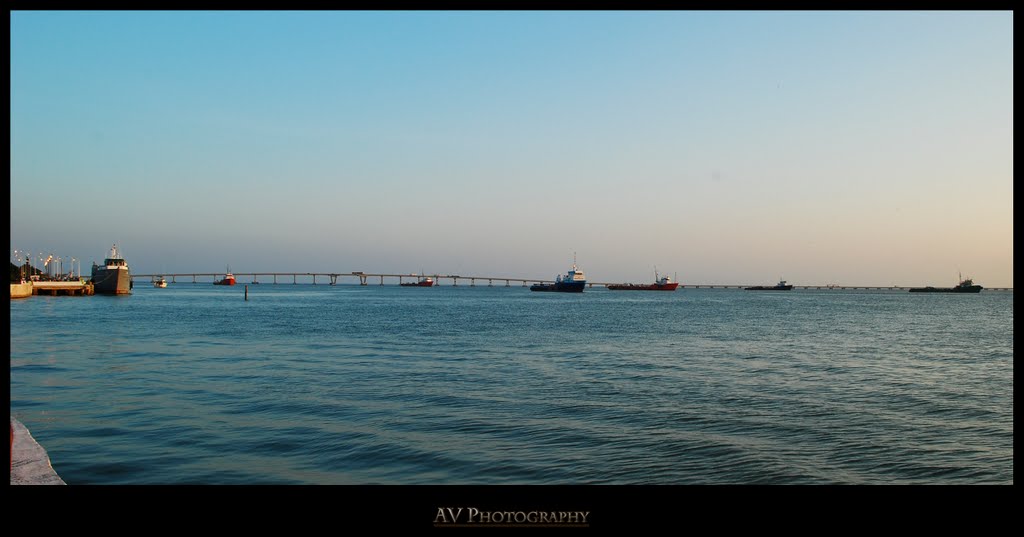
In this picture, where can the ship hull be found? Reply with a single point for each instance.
(652, 287)
(971, 289)
(111, 281)
(560, 287)
(418, 284)
(759, 288)
(224, 282)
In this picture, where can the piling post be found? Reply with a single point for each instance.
(247, 292)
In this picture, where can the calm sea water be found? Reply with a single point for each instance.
(318, 384)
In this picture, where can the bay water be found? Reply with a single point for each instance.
(461, 385)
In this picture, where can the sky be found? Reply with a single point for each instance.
(832, 147)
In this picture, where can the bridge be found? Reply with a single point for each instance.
(364, 278)
(331, 278)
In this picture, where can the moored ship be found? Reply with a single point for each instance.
(965, 286)
(781, 286)
(113, 276)
(229, 279)
(425, 281)
(663, 283)
(573, 282)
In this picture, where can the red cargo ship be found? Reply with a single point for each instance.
(426, 281)
(660, 284)
(229, 279)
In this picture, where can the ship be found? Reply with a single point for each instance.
(573, 282)
(425, 281)
(663, 283)
(160, 282)
(113, 276)
(229, 279)
(781, 286)
(965, 286)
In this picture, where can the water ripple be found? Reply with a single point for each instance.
(352, 385)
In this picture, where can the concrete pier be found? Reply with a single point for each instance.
(30, 465)
(77, 288)
(21, 290)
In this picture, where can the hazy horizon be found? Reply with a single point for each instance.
(854, 148)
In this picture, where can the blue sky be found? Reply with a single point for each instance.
(859, 148)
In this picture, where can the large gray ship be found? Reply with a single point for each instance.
(965, 286)
(113, 277)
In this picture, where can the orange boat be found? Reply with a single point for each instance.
(229, 279)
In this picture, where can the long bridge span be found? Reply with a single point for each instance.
(332, 278)
(364, 278)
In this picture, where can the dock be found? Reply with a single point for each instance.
(21, 290)
(30, 465)
(62, 288)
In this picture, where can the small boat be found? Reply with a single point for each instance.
(160, 282)
(781, 286)
(113, 277)
(573, 282)
(663, 283)
(229, 279)
(965, 286)
(424, 281)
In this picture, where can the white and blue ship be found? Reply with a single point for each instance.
(573, 282)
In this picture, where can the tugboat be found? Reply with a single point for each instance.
(781, 286)
(425, 281)
(113, 277)
(229, 279)
(660, 284)
(965, 286)
(573, 282)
